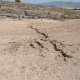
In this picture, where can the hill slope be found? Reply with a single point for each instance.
(64, 4)
(21, 10)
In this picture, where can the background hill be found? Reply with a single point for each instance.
(64, 4)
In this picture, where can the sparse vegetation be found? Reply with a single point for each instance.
(76, 9)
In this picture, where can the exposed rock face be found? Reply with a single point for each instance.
(10, 12)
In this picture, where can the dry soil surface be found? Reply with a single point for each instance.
(39, 49)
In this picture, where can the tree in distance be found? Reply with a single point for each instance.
(19, 1)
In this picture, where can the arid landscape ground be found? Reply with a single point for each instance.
(39, 49)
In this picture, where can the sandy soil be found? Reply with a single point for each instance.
(39, 49)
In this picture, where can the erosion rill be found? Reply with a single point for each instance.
(45, 38)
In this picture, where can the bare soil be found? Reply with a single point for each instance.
(35, 49)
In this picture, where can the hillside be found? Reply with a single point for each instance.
(64, 4)
(21, 10)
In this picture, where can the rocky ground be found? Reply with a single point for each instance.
(39, 49)
(36, 11)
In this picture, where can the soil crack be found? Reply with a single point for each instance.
(52, 42)
(41, 33)
(60, 50)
